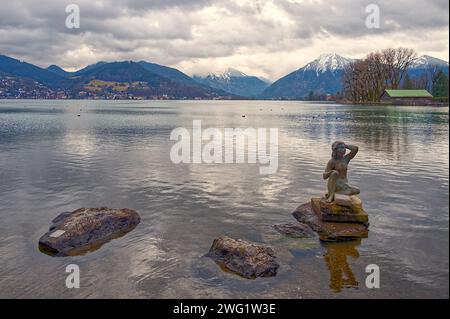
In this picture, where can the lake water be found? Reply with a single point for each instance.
(116, 154)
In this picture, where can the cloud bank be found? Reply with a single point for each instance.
(267, 38)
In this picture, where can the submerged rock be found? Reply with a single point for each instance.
(329, 231)
(304, 214)
(250, 260)
(86, 229)
(295, 230)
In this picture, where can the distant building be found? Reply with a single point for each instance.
(409, 97)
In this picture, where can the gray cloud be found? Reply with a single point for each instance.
(262, 37)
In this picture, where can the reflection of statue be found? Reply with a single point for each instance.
(341, 275)
(336, 171)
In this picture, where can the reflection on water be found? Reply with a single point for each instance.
(336, 258)
(116, 154)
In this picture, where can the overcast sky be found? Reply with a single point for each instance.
(267, 38)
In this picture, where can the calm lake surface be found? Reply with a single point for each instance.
(116, 154)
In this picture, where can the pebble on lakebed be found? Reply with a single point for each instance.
(86, 229)
(245, 258)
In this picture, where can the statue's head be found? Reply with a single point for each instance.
(338, 149)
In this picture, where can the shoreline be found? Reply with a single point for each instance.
(437, 104)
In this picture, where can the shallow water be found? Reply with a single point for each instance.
(116, 154)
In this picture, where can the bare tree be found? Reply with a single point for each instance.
(366, 79)
(377, 73)
(397, 63)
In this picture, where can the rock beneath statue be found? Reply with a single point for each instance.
(340, 210)
(347, 201)
(329, 231)
(295, 230)
(245, 258)
(86, 229)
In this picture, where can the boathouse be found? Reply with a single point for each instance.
(409, 97)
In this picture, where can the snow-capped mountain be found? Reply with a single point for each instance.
(424, 64)
(328, 62)
(235, 82)
(228, 74)
(321, 76)
(424, 61)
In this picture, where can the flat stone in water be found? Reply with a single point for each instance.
(329, 231)
(295, 230)
(336, 212)
(245, 258)
(86, 229)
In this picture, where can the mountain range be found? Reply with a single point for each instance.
(145, 80)
(424, 63)
(324, 76)
(121, 80)
(321, 76)
(235, 81)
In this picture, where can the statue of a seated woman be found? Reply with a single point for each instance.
(336, 171)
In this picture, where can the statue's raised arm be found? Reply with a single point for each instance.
(353, 151)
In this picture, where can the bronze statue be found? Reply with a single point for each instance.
(336, 171)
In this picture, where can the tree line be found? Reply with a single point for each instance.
(365, 80)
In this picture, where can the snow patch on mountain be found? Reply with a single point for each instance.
(328, 62)
(426, 60)
(227, 74)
